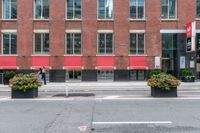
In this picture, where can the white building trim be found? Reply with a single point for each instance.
(73, 31)
(41, 31)
(172, 31)
(105, 31)
(9, 31)
(137, 31)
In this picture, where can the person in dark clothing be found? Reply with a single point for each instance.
(43, 72)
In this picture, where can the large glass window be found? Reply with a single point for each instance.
(169, 8)
(74, 9)
(9, 9)
(105, 9)
(198, 9)
(73, 75)
(137, 44)
(73, 46)
(41, 43)
(137, 75)
(9, 43)
(169, 52)
(105, 44)
(105, 75)
(137, 9)
(41, 9)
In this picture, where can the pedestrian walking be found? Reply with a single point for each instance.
(44, 75)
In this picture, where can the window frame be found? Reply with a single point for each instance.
(10, 39)
(197, 17)
(144, 11)
(42, 43)
(41, 16)
(168, 14)
(10, 5)
(105, 54)
(72, 32)
(73, 19)
(105, 19)
(137, 44)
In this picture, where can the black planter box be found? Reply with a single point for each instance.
(157, 92)
(183, 79)
(30, 93)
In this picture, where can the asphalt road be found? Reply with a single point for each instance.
(99, 114)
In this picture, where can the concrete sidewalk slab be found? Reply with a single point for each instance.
(103, 86)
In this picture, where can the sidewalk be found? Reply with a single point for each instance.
(105, 86)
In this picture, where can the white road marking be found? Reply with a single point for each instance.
(150, 98)
(111, 97)
(132, 122)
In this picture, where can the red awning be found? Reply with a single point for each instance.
(105, 63)
(8, 62)
(138, 63)
(40, 61)
(72, 63)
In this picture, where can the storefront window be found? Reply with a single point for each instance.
(105, 75)
(73, 75)
(137, 75)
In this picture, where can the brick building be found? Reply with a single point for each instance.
(93, 40)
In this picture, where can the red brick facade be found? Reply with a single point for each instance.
(89, 25)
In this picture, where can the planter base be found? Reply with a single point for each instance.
(31, 93)
(157, 92)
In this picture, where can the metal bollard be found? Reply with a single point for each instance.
(67, 90)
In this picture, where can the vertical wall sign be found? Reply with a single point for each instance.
(191, 37)
(182, 62)
(157, 62)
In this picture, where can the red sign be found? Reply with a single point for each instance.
(40, 61)
(105, 63)
(72, 63)
(138, 63)
(189, 30)
(190, 36)
(8, 62)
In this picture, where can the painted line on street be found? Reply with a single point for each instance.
(151, 98)
(111, 97)
(132, 122)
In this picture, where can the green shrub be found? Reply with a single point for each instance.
(9, 74)
(154, 72)
(186, 73)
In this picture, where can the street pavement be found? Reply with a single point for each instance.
(92, 115)
(117, 107)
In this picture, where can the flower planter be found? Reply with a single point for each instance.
(157, 92)
(192, 79)
(30, 93)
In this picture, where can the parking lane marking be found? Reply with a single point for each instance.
(132, 122)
